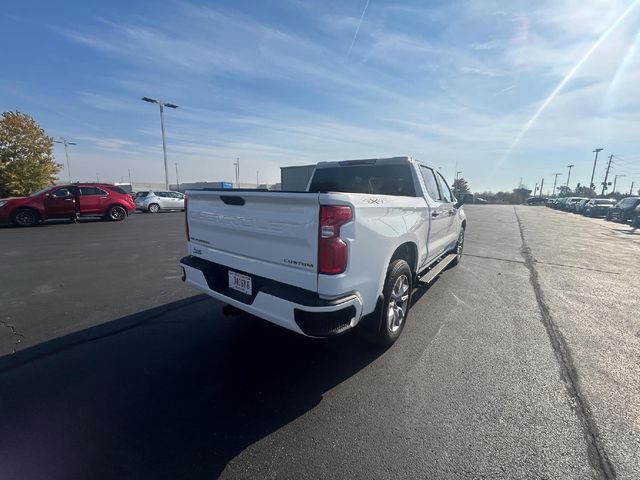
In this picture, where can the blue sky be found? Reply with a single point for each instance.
(290, 82)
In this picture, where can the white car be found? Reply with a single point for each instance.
(154, 201)
(347, 251)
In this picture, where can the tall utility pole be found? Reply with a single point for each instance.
(130, 182)
(631, 189)
(541, 185)
(164, 143)
(615, 181)
(555, 180)
(606, 175)
(177, 178)
(257, 178)
(535, 190)
(569, 175)
(66, 144)
(593, 172)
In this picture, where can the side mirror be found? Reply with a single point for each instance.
(458, 204)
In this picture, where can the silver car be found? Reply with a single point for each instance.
(154, 201)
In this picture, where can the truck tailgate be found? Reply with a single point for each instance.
(270, 234)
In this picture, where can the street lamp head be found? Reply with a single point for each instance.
(598, 150)
(170, 105)
(71, 143)
(569, 166)
(150, 100)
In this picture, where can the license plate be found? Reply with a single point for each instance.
(239, 282)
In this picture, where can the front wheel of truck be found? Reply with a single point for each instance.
(458, 249)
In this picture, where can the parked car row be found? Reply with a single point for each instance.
(624, 211)
(68, 201)
(77, 200)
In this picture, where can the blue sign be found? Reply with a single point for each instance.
(227, 185)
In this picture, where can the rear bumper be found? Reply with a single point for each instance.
(296, 309)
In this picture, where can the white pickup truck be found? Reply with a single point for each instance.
(320, 262)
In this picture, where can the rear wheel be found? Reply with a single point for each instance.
(636, 221)
(154, 208)
(622, 217)
(116, 213)
(609, 216)
(397, 301)
(25, 217)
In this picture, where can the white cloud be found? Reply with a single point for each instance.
(436, 88)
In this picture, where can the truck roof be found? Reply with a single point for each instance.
(369, 161)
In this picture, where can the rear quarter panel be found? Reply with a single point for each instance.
(381, 223)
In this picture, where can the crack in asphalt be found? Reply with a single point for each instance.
(550, 264)
(595, 449)
(18, 337)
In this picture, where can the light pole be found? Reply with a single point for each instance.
(569, 175)
(177, 178)
(130, 182)
(164, 144)
(555, 180)
(237, 165)
(593, 172)
(615, 180)
(257, 178)
(458, 174)
(66, 143)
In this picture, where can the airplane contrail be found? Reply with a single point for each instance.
(566, 78)
(353, 40)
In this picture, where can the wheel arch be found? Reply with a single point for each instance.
(407, 251)
(26, 207)
(116, 204)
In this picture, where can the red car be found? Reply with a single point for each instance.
(68, 201)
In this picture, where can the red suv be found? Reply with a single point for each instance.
(68, 201)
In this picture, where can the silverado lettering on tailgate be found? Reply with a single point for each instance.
(248, 223)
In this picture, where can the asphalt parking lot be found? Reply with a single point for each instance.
(522, 362)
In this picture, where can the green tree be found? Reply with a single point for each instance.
(26, 156)
(460, 185)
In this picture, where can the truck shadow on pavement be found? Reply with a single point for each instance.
(177, 391)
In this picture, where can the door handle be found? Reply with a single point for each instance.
(435, 214)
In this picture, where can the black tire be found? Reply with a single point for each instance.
(608, 216)
(636, 221)
(153, 208)
(622, 218)
(458, 249)
(25, 217)
(116, 213)
(397, 302)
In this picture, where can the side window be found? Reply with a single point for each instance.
(91, 191)
(62, 193)
(430, 182)
(444, 188)
(176, 195)
(161, 194)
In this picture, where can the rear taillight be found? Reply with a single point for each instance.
(332, 250)
(186, 221)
